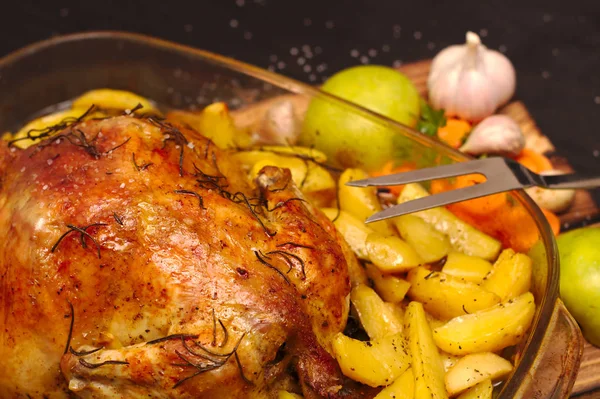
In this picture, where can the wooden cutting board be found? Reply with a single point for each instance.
(583, 210)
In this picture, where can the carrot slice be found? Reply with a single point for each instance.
(534, 161)
(454, 132)
(553, 220)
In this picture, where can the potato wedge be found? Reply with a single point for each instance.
(510, 275)
(402, 388)
(448, 360)
(488, 330)
(475, 368)
(377, 319)
(395, 308)
(288, 395)
(445, 296)
(430, 244)
(391, 288)
(391, 254)
(466, 267)
(114, 99)
(463, 237)
(375, 363)
(483, 390)
(353, 230)
(361, 202)
(426, 362)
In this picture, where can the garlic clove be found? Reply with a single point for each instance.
(496, 134)
(470, 81)
(554, 200)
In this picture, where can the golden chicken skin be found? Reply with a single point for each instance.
(138, 261)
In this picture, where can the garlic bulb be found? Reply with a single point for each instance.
(470, 81)
(496, 134)
(552, 199)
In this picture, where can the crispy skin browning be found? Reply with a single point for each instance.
(192, 281)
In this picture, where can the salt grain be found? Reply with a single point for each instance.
(281, 65)
(597, 99)
(190, 145)
(364, 59)
(430, 45)
(372, 52)
(354, 53)
(234, 23)
(247, 35)
(385, 48)
(502, 48)
(23, 169)
(301, 61)
(45, 187)
(483, 32)
(294, 51)
(417, 35)
(312, 77)
(329, 24)
(321, 67)
(240, 3)
(273, 58)
(397, 63)
(307, 68)
(50, 162)
(596, 153)
(122, 185)
(545, 74)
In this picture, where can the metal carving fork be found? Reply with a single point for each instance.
(502, 174)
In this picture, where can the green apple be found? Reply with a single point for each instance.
(579, 252)
(352, 140)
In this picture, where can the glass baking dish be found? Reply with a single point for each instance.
(54, 71)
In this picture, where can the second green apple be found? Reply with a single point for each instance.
(353, 140)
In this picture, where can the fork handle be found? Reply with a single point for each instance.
(571, 180)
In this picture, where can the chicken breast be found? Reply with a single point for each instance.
(137, 261)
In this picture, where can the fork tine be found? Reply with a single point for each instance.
(436, 172)
(436, 200)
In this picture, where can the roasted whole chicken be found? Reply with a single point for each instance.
(138, 261)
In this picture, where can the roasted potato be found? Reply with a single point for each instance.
(402, 388)
(487, 330)
(463, 237)
(353, 230)
(377, 319)
(430, 244)
(466, 267)
(375, 363)
(445, 296)
(426, 362)
(510, 275)
(391, 288)
(391, 254)
(483, 390)
(114, 99)
(475, 368)
(361, 202)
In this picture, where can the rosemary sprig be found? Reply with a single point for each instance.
(262, 258)
(142, 167)
(193, 193)
(83, 233)
(71, 325)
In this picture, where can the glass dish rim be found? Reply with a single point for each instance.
(533, 346)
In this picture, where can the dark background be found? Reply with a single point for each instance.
(554, 45)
